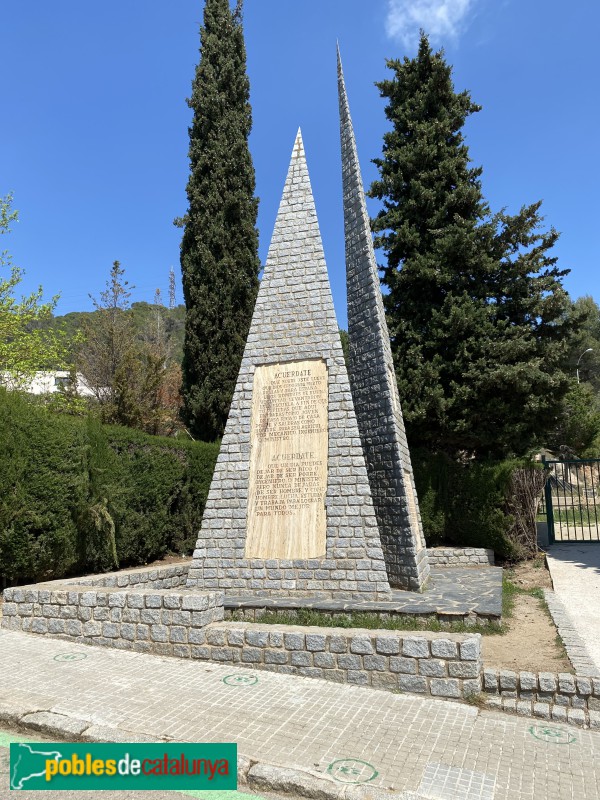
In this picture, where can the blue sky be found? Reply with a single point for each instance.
(93, 140)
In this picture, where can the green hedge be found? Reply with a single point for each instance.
(465, 504)
(78, 497)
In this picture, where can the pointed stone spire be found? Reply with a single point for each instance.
(373, 381)
(293, 325)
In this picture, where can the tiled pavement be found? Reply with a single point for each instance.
(439, 750)
(575, 572)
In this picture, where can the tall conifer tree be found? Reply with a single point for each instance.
(219, 249)
(476, 308)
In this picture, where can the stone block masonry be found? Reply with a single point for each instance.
(167, 577)
(433, 664)
(373, 382)
(129, 612)
(294, 320)
(459, 556)
(188, 623)
(161, 621)
(561, 697)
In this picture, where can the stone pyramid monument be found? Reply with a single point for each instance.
(289, 512)
(373, 381)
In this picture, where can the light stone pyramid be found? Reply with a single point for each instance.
(373, 381)
(289, 511)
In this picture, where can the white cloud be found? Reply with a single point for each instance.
(440, 19)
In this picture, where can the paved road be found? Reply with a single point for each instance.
(401, 743)
(574, 533)
(575, 572)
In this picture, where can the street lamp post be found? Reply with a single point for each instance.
(589, 350)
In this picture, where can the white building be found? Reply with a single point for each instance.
(48, 382)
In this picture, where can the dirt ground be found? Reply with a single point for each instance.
(531, 574)
(531, 642)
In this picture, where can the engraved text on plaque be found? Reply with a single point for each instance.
(288, 461)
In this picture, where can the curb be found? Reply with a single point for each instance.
(576, 648)
(255, 775)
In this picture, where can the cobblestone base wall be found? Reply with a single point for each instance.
(562, 697)
(428, 664)
(159, 621)
(147, 610)
(160, 578)
(459, 556)
(188, 624)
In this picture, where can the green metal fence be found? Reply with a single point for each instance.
(572, 500)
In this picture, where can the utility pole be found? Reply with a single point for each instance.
(158, 303)
(589, 350)
(171, 289)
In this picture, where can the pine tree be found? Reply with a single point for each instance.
(476, 308)
(108, 345)
(219, 249)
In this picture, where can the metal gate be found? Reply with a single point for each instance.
(572, 495)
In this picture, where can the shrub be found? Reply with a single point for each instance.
(78, 496)
(159, 503)
(467, 504)
(39, 477)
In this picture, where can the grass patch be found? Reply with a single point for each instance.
(510, 590)
(405, 622)
(537, 592)
(478, 699)
(578, 515)
(561, 647)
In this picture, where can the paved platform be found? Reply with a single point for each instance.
(575, 572)
(452, 591)
(352, 742)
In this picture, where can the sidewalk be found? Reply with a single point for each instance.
(418, 748)
(575, 572)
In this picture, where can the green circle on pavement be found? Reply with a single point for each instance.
(547, 733)
(352, 770)
(70, 657)
(240, 680)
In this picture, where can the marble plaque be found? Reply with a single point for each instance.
(288, 461)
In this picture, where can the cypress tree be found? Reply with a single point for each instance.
(476, 308)
(219, 248)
